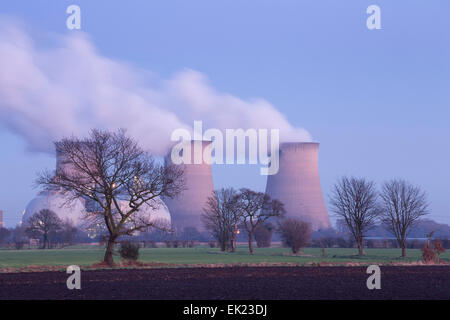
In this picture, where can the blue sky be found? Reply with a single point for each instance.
(378, 101)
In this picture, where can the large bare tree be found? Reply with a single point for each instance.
(221, 217)
(355, 201)
(403, 204)
(43, 224)
(109, 169)
(257, 208)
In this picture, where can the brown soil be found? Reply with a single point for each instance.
(286, 283)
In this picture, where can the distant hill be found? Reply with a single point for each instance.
(420, 230)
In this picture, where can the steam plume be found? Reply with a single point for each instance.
(47, 93)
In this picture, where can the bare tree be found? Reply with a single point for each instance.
(341, 227)
(403, 204)
(355, 201)
(67, 233)
(263, 235)
(108, 169)
(4, 234)
(44, 223)
(236, 216)
(257, 208)
(19, 236)
(189, 234)
(221, 217)
(295, 233)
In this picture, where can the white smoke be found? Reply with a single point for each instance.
(47, 93)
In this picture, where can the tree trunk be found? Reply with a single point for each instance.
(108, 259)
(233, 240)
(44, 245)
(250, 242)
(360, 247)
(403, 249)
(360, 250)
(223, 240)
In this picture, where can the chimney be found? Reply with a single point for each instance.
(186, 209)
(297, 184)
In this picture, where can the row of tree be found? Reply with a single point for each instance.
(107, 168)
(44, 226)
(397, 206)
(228, 210)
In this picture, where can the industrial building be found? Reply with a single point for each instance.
(76, 211)
(296, 184)
(187, 207)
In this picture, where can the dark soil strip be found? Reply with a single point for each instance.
(253, 283)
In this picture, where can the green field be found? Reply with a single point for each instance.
(203, 255)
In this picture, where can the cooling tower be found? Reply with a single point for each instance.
(186, 209)
(297, 184)
(74, 211)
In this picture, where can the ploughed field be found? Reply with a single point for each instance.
(286, 283)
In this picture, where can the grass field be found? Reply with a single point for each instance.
(203, 255)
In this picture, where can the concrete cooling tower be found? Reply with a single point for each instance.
(58, 203)
(186, 209)
(297, 184)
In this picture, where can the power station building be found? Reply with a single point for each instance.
(296, 184)
(76, 211)
(186, 209)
